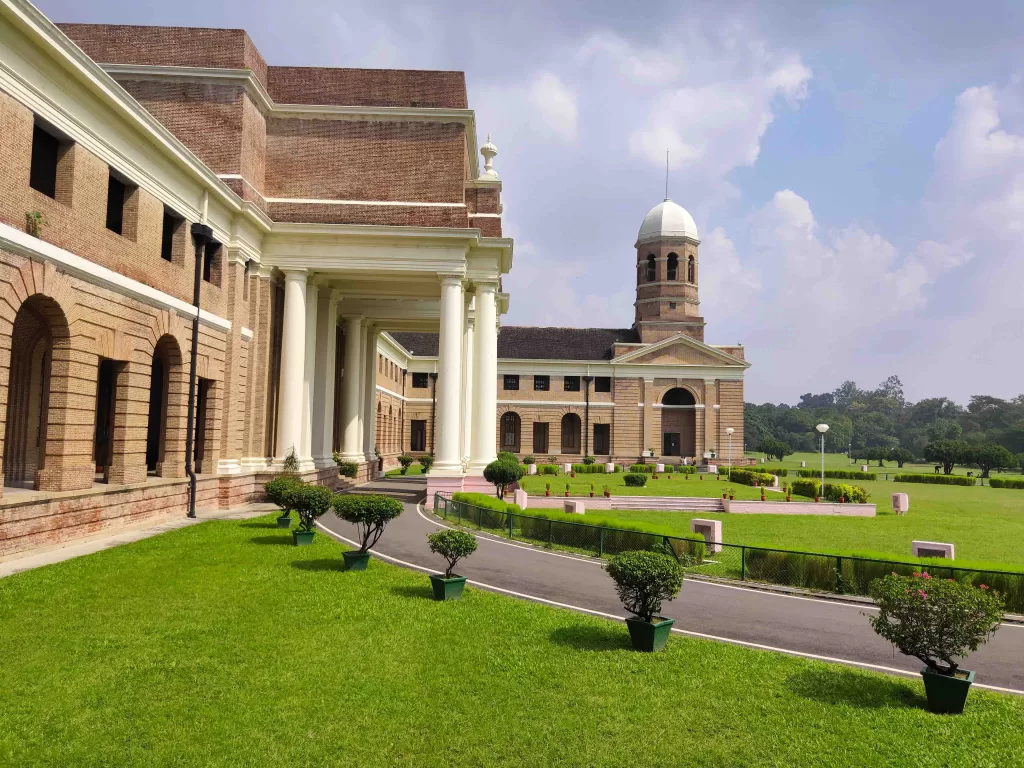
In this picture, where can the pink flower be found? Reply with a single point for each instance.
(925, 576)
(917, 575)
(982, 586)
(923, 594)
(948, 579)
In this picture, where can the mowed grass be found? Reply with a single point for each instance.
(223, 645)
(678, 484)
(840, 461)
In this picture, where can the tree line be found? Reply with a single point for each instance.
(881, 424)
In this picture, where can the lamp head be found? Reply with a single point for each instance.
(823, 428)
(729, 431)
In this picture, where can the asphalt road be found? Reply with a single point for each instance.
(826, 629)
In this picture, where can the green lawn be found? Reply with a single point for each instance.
(222, 645)
(840, 461)
(415, 469)
(677, 485)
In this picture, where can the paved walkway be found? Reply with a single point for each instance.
(48, 556)
(825, 629)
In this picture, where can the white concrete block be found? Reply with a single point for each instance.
(931, 549)
(659, 468)
(574, 507)
(711, 530)
(567, 468)
(803, 464)
(520, 498)
(531, 469)
(609, 468)
(863, 467)
(900, 503)
(713, 469)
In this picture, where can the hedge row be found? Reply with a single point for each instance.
(853, 494)
(839, 474)
(935, 479)
(746, 477)
(999, 482)
(547, 469)
(635, 479)
(777, 471)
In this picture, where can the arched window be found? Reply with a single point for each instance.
(651, 273)
(510, 430)
(691, 270)
(673, 267)
(570, 433)
(678, 396)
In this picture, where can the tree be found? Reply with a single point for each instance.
(824, 400)
(948, 453)
(876, 453)
(900, 456)
(775, 449)
(502, 472)
(644, 579)
(452, 546)
(370, 514)
(311, 502)
(989, 456)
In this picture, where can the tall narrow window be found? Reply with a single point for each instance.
(651, 269)
(540, 437)
(691, 270)
(170, 232)
(211, 263)
(45, 152)
(115, 204)
(673, 267)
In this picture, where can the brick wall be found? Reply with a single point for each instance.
(368, 87)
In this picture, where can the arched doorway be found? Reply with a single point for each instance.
(163, 390)
(571, 433)
(679, 423)
(511, 429)
(38, 327)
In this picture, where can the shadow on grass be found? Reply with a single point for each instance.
(836, 685)
(284, 539)
(260, 525)
(593, 638)
(333, 564)
(418, 592)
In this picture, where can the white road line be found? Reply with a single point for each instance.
(592, 612)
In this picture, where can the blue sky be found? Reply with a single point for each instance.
(856, 172)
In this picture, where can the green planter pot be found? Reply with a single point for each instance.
(284, 521)
(447, 589)
(649, 636)
(947, 694)
(356, 561)
(303, 538)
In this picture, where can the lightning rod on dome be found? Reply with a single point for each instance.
(666, 174)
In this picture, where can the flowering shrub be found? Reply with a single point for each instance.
(935, 620)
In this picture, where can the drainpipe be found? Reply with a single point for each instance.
(201, 235)
(586, 415)
(405, 404)
(433, 409)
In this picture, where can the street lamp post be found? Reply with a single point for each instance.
(729, 432)
(823, 428)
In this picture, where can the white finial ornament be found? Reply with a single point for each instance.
(488, 150)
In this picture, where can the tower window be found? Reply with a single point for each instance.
(673, 266)
(511, 381)
(671, 305)
(602, 383)
(571, 383)
(651, 269)
(691, 270)
(116, 191)
(45, 155)
(419, 381)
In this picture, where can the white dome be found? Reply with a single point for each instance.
(667, 219)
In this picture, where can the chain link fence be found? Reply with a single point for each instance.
(808, 570)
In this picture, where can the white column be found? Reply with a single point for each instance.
(467, 381)
(370, 393)
(309, 370)
(323, 379)
(485, 380)
(447, 460)
(351, 384)
(293, 353)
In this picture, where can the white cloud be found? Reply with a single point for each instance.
(726, 286)
(556, 105)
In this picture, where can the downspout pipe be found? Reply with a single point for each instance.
(586, 415)
(201, 236)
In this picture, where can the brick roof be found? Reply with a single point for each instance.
(533, 343)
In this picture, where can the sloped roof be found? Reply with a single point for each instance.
(532, 343)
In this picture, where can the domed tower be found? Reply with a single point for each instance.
(667, 274)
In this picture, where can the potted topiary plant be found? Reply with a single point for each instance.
(426, 462)
(452, 546)
(280, 492)
(528, 460)
(311, 501)
(405, 461)
(547, 489)
(588, 460)
(607, 492)
(936, 621)
(380, 459)
(502, 472)
(643, 580)
(370, 514)
(591, 490)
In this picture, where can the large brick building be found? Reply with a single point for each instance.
(615, 394)
(312, 211)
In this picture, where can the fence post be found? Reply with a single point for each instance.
(550, 523)
(600, 542)
(743, 563)
(839, 575)
(510, 516)
(458, 510)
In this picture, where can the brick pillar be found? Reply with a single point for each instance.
(711, 441)
(260, 294)
(71, 421)
(214, 424)
(648, 430)
(234, 389)
(131, 411)
(171, 461)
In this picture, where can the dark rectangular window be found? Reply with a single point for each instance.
(210, 255)
(542, 383)
(571, 384)
(602, 441)
(511, 381)
(419, 381)
(115, 204)
(171, 224)
(602, 383)
(45, 152)
(540, 437)
(418, 435)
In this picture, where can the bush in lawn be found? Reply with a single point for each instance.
(934, 620)
(588, 469)
(746, 477)
(405, 460)
(506, 456)
(775, 449)
(645, 579)
(948, 453)
(528, 460)
(547, 469)
(935, 479)
(370, 514)
(345, 468)
(635, 479)
(502, 472)
(777, 471)
(839, 474)
(809, 488)
(426, 462)
(311, 502)
(989, 456)
(588, 459)
(901, 456)
(853, 494)
(452, 546)
(999, 482)
(686, 469)
(281, 492)
(648, 468)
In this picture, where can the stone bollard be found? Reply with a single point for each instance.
(659, 468)
(567, 468)
(574, 507)
(803, 463)
(900, 503)
(712, 532)
(931, 549)
(519, 498)
(609, 468)
(712, 469)
(863, 467)
(531, 469)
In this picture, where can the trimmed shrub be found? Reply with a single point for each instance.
(528, 460)
(1000, 482)
(588, 469)
(808, 488)
(281, 492)
(347, 468)
(648, 468)
(452, 546)
(311, 502)
(426, 462)
(547, 469)
(853, 494)
(839, 474)
(934, 620)
(406, 461)
(588, 459)
(370, 514)
(645, 579)
(935, 479)
(746, 477)
(777, 471)
(635, 479)
(502, 472)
